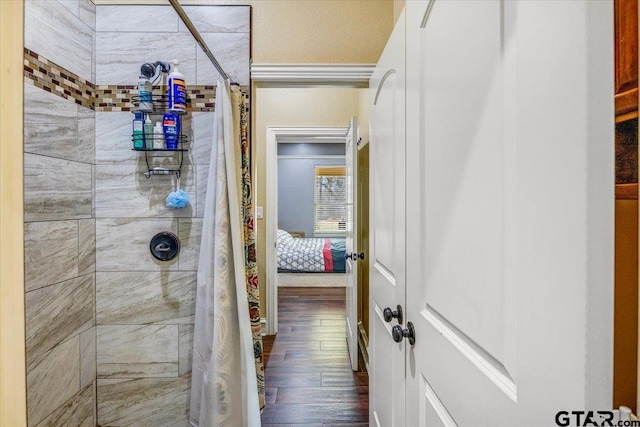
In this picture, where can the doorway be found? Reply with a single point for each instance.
(309, 362)
(280, 139)
(299, 108)
(316, 344)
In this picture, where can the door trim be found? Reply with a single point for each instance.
(312, 75)
(276, 135)
(12, 321)
(297, 76)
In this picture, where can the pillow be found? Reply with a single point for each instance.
(284, 237)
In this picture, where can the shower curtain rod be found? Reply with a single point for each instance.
(194, 32)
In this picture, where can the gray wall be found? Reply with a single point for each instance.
(296, 182)
(292, 149)
(59, 227)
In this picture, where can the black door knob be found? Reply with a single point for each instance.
(398, 333)
(360, 255)
(389, 315)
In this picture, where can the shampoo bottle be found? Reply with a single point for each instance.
(158, 137)
(177, 89)
(138, 132)
(144, 92)
(171, 126)
(148, 132)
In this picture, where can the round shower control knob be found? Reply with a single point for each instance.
(165, 246)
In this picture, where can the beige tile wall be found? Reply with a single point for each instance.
(145, 308)
(59, 237)
(107, 326)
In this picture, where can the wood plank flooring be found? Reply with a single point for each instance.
(309, 382)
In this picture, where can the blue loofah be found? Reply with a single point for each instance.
(177, 199)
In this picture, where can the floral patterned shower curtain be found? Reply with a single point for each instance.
(241, 101)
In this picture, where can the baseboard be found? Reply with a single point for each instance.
(263, 323)
(319, 280)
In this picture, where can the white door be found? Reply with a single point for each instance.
(387, 231)
(352, 250)
(509, 260)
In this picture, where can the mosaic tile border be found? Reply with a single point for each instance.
(53, 78)
(120, 97)
(59, 81)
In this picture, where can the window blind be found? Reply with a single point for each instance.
(330, 199)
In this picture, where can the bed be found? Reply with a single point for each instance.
(310, 255)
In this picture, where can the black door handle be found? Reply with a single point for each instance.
(354, 257)
(399, 334)
(388, 314)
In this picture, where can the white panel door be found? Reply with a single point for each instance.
(387, 231)
(352, 250)
(509, 261)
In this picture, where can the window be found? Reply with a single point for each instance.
(330, 200)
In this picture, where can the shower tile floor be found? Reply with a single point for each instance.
(309, 381)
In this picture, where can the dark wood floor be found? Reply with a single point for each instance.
(307, 371)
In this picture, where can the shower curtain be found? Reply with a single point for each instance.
(251, 260)
(227, 388)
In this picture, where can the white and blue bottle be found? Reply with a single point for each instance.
(176, 89)
(145, 93)
(171, 127)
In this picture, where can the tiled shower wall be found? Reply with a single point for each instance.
(145, 308)
(59, 220)
(107, 326)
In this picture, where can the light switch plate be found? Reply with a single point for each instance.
(259, 212)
